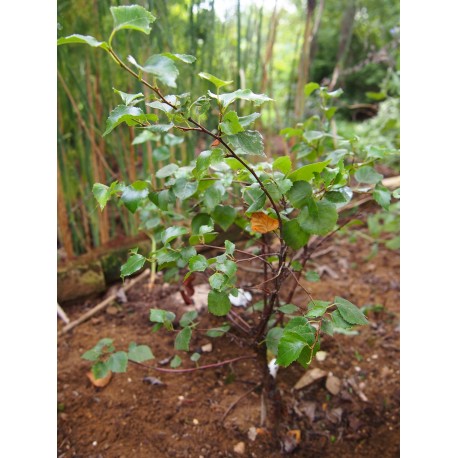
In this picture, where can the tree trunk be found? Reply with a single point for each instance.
(346, 30)
(304, 62)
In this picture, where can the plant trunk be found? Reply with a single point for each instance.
(271, 404)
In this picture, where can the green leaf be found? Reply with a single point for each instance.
(382, 196)
(288, 309)
(230, 124)
(139, 353)
(159, 128)
(306, 172)
(134, 194)
(213, 196)
(218, 332)
(228, 267)
(186, 58)
(132, 17)
(145, 136)
(162, 153)
(198, 263)
(339, 322)
(290, 347)
(132, 116)
(240, 94)
(100, 369)
(282, 163)
(394, 243)
(312, 276)
(224, 215)
(245, 121)
(176, 362)
(310, 88)
(129, 99)
(206, 159)
(102, 193)
(397, 193)
(320, 223)
(327, 327)
(255, 197)
(161, 316)
(218, 303)
(350, 312)
(273, 337)
(299, 194)
(195, 357)
(163, 68)
(201, 219)
(295, 237)
(214, 80)
(118, 362)
(313, 135)
(336, 197)
(217, 281)
(133, 264)
(317, 308)
(188, 318)
(230, 247)
(171, 233)
(85, 39)
(166, 171)
(248, 142)
(183, 188)
(94, 353)
(182, 339)
(367, 174)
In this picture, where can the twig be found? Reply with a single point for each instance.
(238, 400)
(62, 315)
(103, 304)
(199, 368)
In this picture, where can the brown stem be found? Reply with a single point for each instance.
(194, 369)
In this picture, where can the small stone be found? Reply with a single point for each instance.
(321, 355)
(239, 448)
(207, 348)
(252, 433)
(333, 384)
(94, 443)
(357, 369)
(374, 356)
(195, 421)
(112, 310)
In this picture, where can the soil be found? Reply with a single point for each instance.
(184, 417)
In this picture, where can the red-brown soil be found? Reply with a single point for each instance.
(182, 418)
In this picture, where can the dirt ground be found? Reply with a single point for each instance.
(184, 417)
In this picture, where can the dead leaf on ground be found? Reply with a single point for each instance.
(153, 381)
(309, 377)
(99, 382)
(262, 223)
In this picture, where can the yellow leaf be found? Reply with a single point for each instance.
(262, 223)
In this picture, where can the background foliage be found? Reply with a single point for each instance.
(353, 45)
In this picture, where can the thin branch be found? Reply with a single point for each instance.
(194, 369)
(239, 399)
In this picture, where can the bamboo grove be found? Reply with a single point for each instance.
(271, 47)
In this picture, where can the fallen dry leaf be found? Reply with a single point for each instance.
(309, 377)
(99, 382)
(262, 223)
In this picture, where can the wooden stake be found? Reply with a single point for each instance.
(104, 303)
